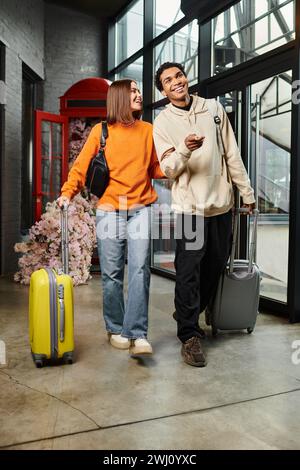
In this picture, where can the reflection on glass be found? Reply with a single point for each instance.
(56, 139)
(166, 14)
(45, 175)
(270, 175)
(56, 177)
(133, 71)
(129, 32)
(46, 126)
(45, 199)
(163, 243)
(182, 47)
(251, 28)
(231, 102)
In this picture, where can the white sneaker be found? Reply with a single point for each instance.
(140, 347)
(119, 342)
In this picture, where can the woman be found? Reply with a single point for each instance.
(123, 213)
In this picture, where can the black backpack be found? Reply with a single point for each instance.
(97, 176)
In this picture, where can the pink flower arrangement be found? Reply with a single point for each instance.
(43, 249)
(79, 129)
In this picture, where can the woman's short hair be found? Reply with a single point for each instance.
(118, 102)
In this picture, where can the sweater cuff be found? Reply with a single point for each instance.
(67, 194)
(250, 199)
(183, 150)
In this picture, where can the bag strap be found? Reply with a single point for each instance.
(212, 106)
(104, 134)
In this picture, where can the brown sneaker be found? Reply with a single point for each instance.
(192, 353)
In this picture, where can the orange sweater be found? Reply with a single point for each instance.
(132, 162)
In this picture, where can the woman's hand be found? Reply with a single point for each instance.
(63, 202)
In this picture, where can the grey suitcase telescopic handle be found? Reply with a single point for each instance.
(244, 210)
(64, 239)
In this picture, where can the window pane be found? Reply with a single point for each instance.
(45, 174)
(156, 112)
(166, 14)
(251, 28)
(51, 160)
(182, 47)
(162, 228)
(133, 71)
(56, 139)
(56, 178)
(129, 32)
(270, 174)
(46, 138)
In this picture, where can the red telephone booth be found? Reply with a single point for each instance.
(81, 106)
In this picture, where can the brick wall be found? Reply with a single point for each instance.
(22, 32)
(76, 48)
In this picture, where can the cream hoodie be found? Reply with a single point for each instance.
(202, 178)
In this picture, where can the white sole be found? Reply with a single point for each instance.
(117, 345)
(140, 353)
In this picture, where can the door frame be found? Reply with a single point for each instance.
(2, 138)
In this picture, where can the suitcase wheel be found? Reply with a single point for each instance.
(249, 331)
(68, 358)
(39, 363)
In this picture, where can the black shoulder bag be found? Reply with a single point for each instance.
(97, 176)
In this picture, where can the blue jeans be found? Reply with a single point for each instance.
(113, 230)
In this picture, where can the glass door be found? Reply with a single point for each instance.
(270, 153)
(51, 158)
(262, 113)
(162, 229)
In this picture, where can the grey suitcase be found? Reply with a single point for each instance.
(235, 304)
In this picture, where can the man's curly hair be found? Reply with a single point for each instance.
(162, 68)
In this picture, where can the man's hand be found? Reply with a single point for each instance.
(193, 141)
(250, 208)
(63, 201)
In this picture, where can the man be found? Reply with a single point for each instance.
(188, 142)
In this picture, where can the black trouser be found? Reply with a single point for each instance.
(199, 267)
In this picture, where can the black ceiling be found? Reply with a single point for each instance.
(99, 8)
(205, 9)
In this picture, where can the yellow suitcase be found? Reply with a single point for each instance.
(51, 311)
